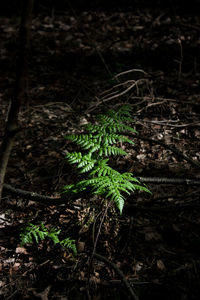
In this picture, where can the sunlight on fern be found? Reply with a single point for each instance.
(100, 141)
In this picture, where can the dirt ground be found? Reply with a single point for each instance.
(75, 69)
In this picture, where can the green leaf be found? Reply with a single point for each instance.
(98, 141)
(69, 245)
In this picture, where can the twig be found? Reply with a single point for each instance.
(190, 26)
(99, 229)
(43, 295)
(165, 180)
(42, 199)
(119, 272)
(96, 240)
(135, 83)
(130, 71)
(180, 62)
(114, 95)
(166, 123)
(11, 296)
(65, 199)
(108, 92)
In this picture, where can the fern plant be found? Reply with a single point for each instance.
(98, 142)
(38, 233)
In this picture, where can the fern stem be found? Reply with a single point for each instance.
(99, 230)
(96, 240)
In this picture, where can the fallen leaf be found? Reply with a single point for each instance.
(80, 246)
(21, 250)
(15, 267)
(160, 265)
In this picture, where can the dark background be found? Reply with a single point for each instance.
(13, 7)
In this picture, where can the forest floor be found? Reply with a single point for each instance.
(73, 67)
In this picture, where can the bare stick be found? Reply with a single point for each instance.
(130, 71)
(65, 199)
(119, 272)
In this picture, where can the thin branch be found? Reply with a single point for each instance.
(96, 240)
(42, 295)
(166, 180)
(66, 199)
(114, 95)
(130, 71)
(99, 229)
(191, 26)
(119, 272)
(125, 91)
(42, 199)
(169, 123)
(108, 92)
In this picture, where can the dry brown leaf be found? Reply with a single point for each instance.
(160, 265)
(21, 250)
(15, 267)
(80, 246)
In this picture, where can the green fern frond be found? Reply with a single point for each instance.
(123, 114)
(113, 185)
(111, 138)
(40, 232)
(96, 128)
(101, 141)
(106, 120)
(71, 189)
(121, 127)
(86, 141)
(119, 201)
(88, 167)
(124, 139)
(74, 157)
(112, 150)
(53, 235)
(79, 138)
(102, 169)
(141, 188)
(125, 110)
(33, 231)
(87, 162)
(69, 244)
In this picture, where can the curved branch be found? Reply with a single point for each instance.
(46, 200)
(119, 272)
